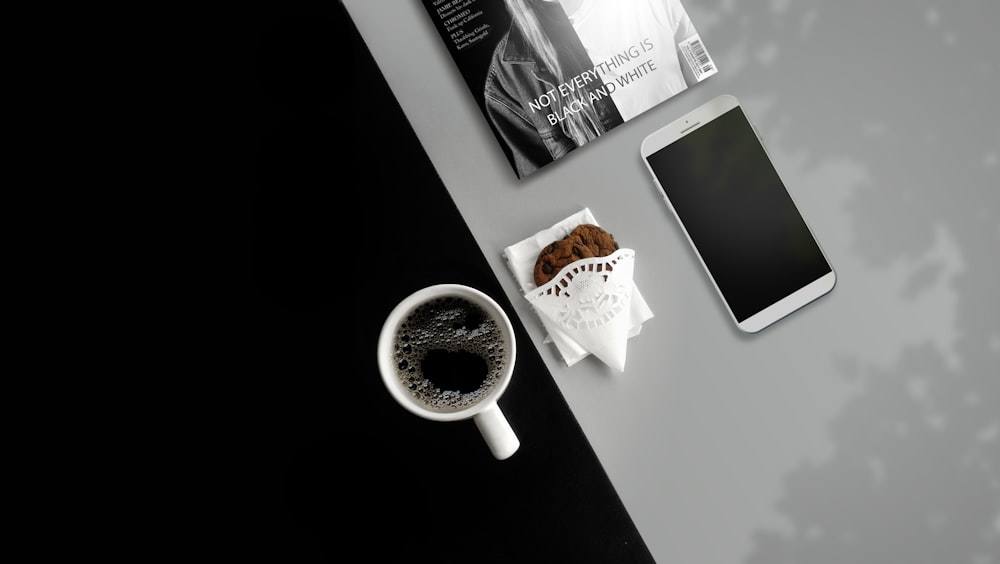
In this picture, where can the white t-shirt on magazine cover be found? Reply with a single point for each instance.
(633, 44)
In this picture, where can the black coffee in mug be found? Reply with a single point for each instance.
(446, 353)
(450, 352)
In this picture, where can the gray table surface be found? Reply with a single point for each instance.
(863, 428)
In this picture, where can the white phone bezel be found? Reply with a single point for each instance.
(684, 125)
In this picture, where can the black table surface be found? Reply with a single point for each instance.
(347, 216)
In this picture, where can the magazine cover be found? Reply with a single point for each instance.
(553, 75)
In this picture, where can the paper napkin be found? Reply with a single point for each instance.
(592, 307)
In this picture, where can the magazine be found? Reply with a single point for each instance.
(553, 75)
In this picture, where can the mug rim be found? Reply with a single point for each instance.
(385, 351)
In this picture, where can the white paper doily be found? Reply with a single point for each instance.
(590, 301)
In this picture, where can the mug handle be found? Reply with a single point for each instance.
(497, 432)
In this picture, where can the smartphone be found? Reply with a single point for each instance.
(716, 176)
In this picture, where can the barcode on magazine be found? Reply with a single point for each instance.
(697, 57)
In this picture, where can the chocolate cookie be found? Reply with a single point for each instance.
(599, 241)
(584, 241)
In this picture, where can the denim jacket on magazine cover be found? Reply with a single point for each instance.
(515, 79)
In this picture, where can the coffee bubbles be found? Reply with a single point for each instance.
(449, 353)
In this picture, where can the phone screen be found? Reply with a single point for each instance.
(738, 214)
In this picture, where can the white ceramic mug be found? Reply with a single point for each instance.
(439, 320)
